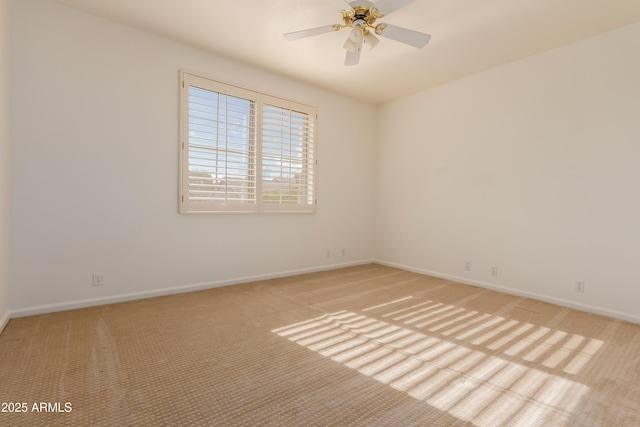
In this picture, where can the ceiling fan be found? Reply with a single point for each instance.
(361, 18)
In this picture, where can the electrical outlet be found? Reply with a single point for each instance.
(97, 279)
(328, 254)
(494, 270)
(467, 266)
(580, 284)
(343, 252)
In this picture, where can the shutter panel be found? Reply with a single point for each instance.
(288, 158)
(221, 157)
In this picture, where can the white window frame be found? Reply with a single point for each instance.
(263, 188)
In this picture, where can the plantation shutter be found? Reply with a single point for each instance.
(242, 151)
(220, 158)
(288, 158)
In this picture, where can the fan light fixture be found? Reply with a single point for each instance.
(361, 18)
(356, 35)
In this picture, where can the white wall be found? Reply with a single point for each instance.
(532, 167)
(94, 171)
(4, 163)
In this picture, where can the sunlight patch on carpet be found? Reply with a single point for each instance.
(458, 378)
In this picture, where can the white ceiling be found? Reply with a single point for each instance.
(467, 36)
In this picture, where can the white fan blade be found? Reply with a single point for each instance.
(340, 4)
(308, 33)
(404, 35)
(364, 3)
(353, 57)
(388, 6)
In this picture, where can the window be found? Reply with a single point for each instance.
(242, 151)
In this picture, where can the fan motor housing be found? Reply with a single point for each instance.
(361, 13)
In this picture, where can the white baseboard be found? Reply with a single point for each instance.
(72, 305)
(540, 297)
(4, 320)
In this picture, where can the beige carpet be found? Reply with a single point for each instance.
(367, 345)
